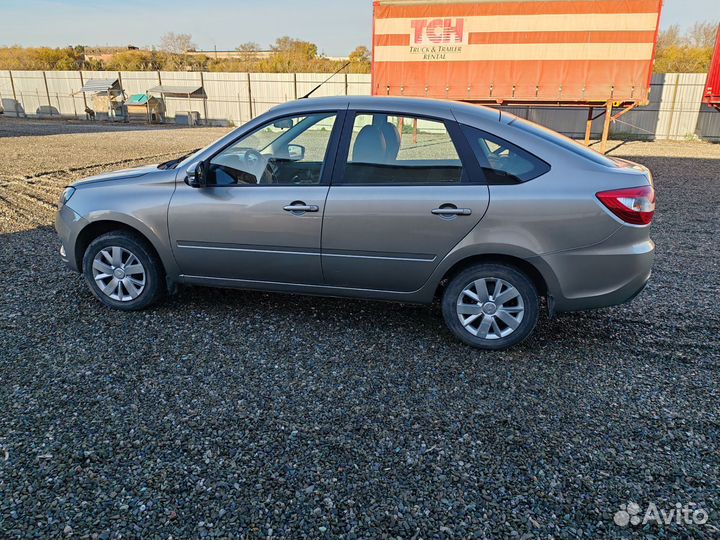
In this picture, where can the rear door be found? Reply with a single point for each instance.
(402, 196)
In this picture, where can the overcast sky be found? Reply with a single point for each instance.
(336, 26)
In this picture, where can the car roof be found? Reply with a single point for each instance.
(408, 105)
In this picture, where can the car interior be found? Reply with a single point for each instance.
(374, 159)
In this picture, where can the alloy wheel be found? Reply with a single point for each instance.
(490, 308)
(118, 273)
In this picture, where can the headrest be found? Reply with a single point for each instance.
(369, 146)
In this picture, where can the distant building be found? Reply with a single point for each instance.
(225, 55)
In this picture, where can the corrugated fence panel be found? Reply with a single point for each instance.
(679, 105)
(270, 89)
(674, 110)
(61, 86)
(333, 87)
(359, 84)
(138, 82)
(30, 91)
(709, 124)
(7, 100)
(227, 97)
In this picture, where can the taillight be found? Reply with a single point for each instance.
(632, 205)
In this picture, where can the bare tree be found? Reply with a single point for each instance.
(248, 50)
(702, 34)
(670, 37)
(176, 43)
(249, 47)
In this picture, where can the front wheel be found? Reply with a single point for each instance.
(491, 306)
(122, 271)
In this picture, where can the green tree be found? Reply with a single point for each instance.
(360, 54)
(295, 48)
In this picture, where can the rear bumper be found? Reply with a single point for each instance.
(67, 224)
(610, 273)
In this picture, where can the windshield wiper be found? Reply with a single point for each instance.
(171, 164)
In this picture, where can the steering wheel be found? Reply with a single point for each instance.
(252, 157)
(261, 166)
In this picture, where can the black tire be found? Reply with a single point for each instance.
(153, 288)
(491, 272)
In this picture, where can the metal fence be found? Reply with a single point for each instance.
(675, 110)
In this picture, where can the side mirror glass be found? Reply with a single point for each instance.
(197, 175)
(296, 152)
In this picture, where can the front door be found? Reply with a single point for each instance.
(400, 200)
(260, 216)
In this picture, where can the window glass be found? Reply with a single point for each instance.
(288, 151)
(560, 140)
(501, 161)
(387, 149)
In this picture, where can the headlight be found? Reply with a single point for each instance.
(65, 197)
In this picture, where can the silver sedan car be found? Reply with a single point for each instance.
(394, 199)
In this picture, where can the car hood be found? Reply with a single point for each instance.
(117, 175)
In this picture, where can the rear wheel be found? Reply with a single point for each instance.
(491, 306)
(122, 271)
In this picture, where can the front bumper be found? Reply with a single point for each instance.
(68, 224)
(606, 274)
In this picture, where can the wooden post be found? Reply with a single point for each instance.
(82, 83)
(249, 89)
(15, 99)
(122, 94)
(414, 130)
(47, 93)
(162, 99)
(295, 93)
(606, 126)
(205, 108)
(588, 126)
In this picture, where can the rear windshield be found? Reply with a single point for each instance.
(561, 140)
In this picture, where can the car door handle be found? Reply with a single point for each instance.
(451, 211)
(301, 208)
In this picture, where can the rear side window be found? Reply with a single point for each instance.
(501, 161)
(560, 140)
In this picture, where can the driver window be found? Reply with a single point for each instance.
(287, 151)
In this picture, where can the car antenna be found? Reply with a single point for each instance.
(326, 80)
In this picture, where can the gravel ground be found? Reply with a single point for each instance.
(18, 127)
(241, 414)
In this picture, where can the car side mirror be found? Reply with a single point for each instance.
(197, 175)
(296, 152)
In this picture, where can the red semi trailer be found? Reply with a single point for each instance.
(582, 53)
(712, 86)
